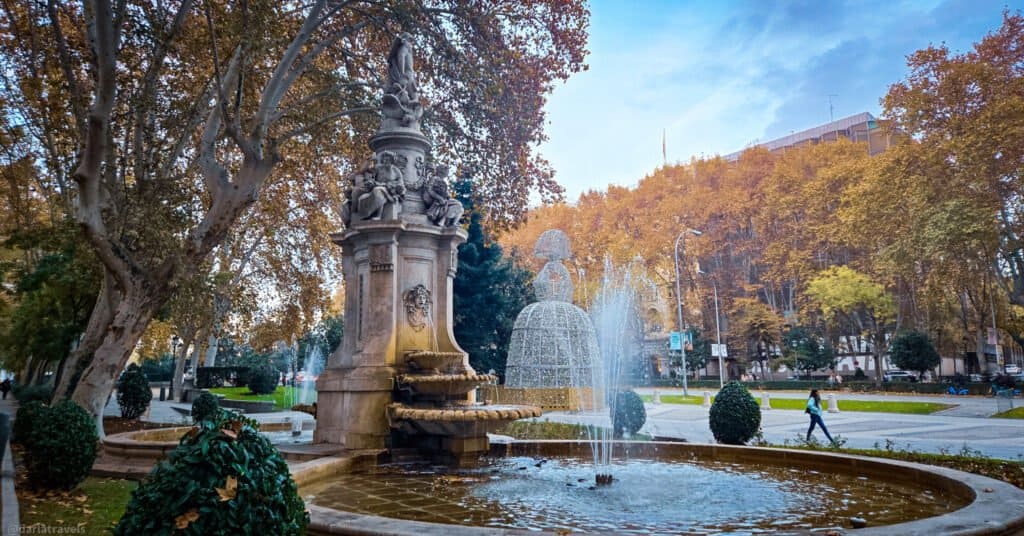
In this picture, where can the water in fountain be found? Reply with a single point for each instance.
(611, 312)
(313, 366)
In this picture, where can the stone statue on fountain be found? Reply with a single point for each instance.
(401, 105)
(441, 208)
(376, 191)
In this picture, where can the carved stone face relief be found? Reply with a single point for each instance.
(417, 302)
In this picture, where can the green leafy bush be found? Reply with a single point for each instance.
(207, 377)
(205, 407)
(62, 446)
(629, 413)
(28, 393)
(263, 380)
(223, 478)
(913, 350)
(735, 416)
(25, 421)
(133, 392)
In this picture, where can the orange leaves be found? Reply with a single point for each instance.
(229, 490)
(184, 520)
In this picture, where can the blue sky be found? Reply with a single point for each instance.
(718, 76)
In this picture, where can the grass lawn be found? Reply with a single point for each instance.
(676, 399)
(967, 460)
(872, 406)
(919, 408)
(283, 397)
(1015, 413)
(96, 505)
(526, 429)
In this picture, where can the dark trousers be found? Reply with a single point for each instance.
(816, 420)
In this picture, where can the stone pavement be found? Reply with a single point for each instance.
(950, 431)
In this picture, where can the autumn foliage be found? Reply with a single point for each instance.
(927, 235)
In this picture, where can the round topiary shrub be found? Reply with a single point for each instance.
(223, 478)
(263, 380)
(629, 414)
(25, 421)
(206, 406)
(133, 392)
(28, 393)
(62, 446)
(735, 416)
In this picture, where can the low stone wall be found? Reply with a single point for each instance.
(248, 406)
(995, 507)
(133, 454)
(547, 399)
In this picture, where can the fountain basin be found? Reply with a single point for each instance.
(457, 421)
(434, 361)
(980, 505)
(444, 384)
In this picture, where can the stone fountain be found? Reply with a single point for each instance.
(399, 378)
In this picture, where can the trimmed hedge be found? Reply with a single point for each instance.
(61, 447)
(975, 388)
(223, 478)
(133, 392)
(629, 415)
(28, 393)
(735, 416)
(206, 406)
(264, 380)
(25, 421)
(207, 377)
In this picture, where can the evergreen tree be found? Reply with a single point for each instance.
(913, 350)
(490, 290)
(804, 351)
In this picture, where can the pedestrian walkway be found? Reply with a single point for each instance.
(968, 427)
(963, 406)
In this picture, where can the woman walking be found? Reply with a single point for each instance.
(814, 410)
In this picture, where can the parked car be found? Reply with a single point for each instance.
(1013, 369)
(899, 376)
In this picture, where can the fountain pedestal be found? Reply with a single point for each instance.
(398, 288)
(399, 379)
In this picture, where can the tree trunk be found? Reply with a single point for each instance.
(200, 349)
(178, 379)
(99, 322)
(211, 352)
(134, 312)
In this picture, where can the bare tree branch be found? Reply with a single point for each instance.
(275, 88)
(322, 121)
(215, 174)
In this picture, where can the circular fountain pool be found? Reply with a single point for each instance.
(659, 488)
(647, 496)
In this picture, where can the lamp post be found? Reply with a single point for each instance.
(679, 304)
(718, 340)
(175, 343)
(718, 334)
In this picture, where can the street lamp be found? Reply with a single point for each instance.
(679, 304)
(718, 335)
(718, 340)
(175, 343)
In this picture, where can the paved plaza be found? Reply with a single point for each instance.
(967, 424)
